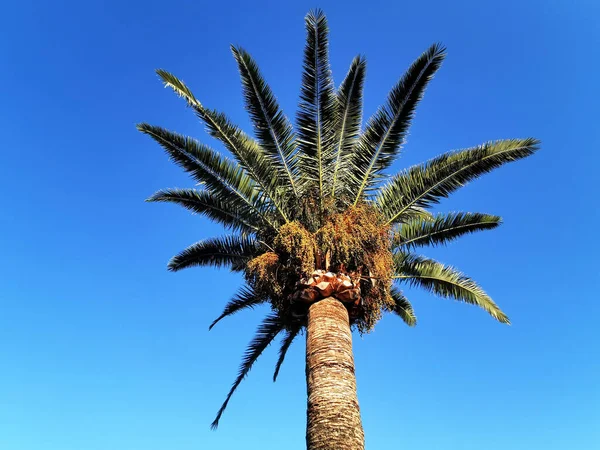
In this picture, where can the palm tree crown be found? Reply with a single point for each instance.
(310, 210)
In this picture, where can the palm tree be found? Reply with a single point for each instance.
(318, 229)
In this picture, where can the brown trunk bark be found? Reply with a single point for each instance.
(333, 415)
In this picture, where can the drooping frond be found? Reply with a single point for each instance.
(271, 126)
(402, 307)
(223, 178)
(245, 298)
(267, 331)
(216, 252)
(216, 208)
(287, 340)
(387, 129)
(444, 281)
(443, 229)
(425, 184)
(246, 150)
(316, 114)
(349, 104)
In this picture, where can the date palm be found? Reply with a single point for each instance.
(318, 229)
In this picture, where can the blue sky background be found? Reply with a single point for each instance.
(101, 348)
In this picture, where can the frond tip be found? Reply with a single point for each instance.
(246, 298)
(403, 308)
(446, 282)
(289, 337)
(266, 332)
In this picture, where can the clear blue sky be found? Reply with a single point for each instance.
(102, 349)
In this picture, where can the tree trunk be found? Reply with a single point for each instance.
(333, 415)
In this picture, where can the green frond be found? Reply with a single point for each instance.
(221, 176)
(443, 229)
(287, 340)
(250, 156)
(386, 130)
(218, 209)
(349, 105)
(444, 281)
(316, 114)
(271, 126)
(216, 252)
(246, 150)
(244, 299)
(267, 331)
(424, 184)
(205, 165)
(402, 307)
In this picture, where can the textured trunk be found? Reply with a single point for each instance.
(333, 415)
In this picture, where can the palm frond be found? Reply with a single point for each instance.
(271, 126)
(245, 149)
(402, 307)
(287, 340)
(221, 176)
(212, 206)
(245, 298)
(316, 114)
(250, 156)
(267, 331)
(216, 252)
(349, 105)
(424, 184)
(386, 130)
(444, 281)
(443, 229)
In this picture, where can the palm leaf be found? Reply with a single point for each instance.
(250, 156)
(221, 176)
(349, 103)
(424, 184)
(245, 298)
(267, 331)
(245, 149)
(217, 209)
(271, 126)
(402, 307)
(216, 252)
(443, 229)
(386, 130)
(316, 114)
(445, 281)
(287, 340)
